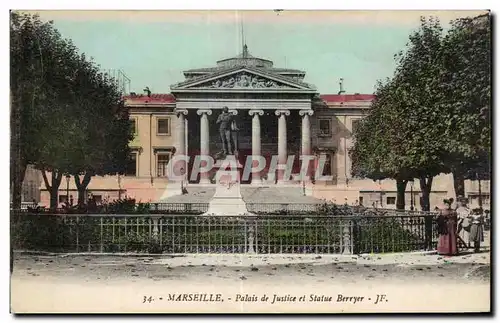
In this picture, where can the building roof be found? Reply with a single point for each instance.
(222, 71)
(244, 59)
(272, 69)
(154, 98)
(347, 97)
(169, 98)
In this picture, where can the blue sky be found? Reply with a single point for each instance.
(153, 48)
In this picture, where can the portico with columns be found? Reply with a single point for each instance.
(262, 98)
(209, 141)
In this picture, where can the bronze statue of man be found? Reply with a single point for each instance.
(227, 126)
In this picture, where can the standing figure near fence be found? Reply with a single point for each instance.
(486, 222)
(463, 216)
(476, 229)
(447, 229)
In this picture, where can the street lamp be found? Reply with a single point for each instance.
(411, 195)
(68, 177)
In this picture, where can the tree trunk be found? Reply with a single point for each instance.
(53, 188)
(401, 190)
(17, 184)
(54, 194)
(82, 187)
(459, 183)
(480, 200)
(425, 187)
(17, 162)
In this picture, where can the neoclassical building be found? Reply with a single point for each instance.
(278, 115)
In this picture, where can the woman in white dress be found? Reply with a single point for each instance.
(463, 215)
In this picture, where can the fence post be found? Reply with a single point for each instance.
(77, 237)
(155, 228)
(428, 231)
(250, 239)
(356, 235)
(161, 233)
(346, 236)
(101, 225)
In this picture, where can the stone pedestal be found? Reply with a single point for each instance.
(227, 199)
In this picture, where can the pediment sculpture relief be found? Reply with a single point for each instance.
(244, 81)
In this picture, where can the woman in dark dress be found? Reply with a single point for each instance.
(447, 229)
(476, 229)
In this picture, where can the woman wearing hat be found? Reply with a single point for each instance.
(447, 229)
(463, 215)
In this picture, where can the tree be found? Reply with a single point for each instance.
(98, 129)
(373, 153)
(72, 118)
(104, 149)
(39, 62)
(422, 123)
(466, 98)
(404, 120)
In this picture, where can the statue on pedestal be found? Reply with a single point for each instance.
(228, 130)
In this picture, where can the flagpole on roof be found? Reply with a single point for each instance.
(242, 36)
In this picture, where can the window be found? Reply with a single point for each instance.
(132, 165)
(63, 199)
(361, 200)
(325, 127)
(98, 199)
(162, 164)
(327, 169)
(133, 126)
(163, 126)
(355, 125)
(391, 200)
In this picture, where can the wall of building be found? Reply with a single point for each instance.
(146, 186)
(148, 143)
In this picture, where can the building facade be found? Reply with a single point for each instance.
(278, 114)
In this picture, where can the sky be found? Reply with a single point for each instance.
(153, 47)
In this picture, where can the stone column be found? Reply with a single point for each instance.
(180, 148)
(282, 148)
(234, 135)
(256, 147)
(186, 135)
(341, 156)
(204, 140)
(306, 137)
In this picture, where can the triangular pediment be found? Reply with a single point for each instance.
(244, 79)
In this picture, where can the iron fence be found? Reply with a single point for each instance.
(327, 208)
(324, 208)
(138, 209)
(223, 234)
(283, 208)
(179, 207)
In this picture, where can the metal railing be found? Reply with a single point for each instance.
(256, 208)
(139, 209)
(267, 234)
(283, 208)
(179, 207)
